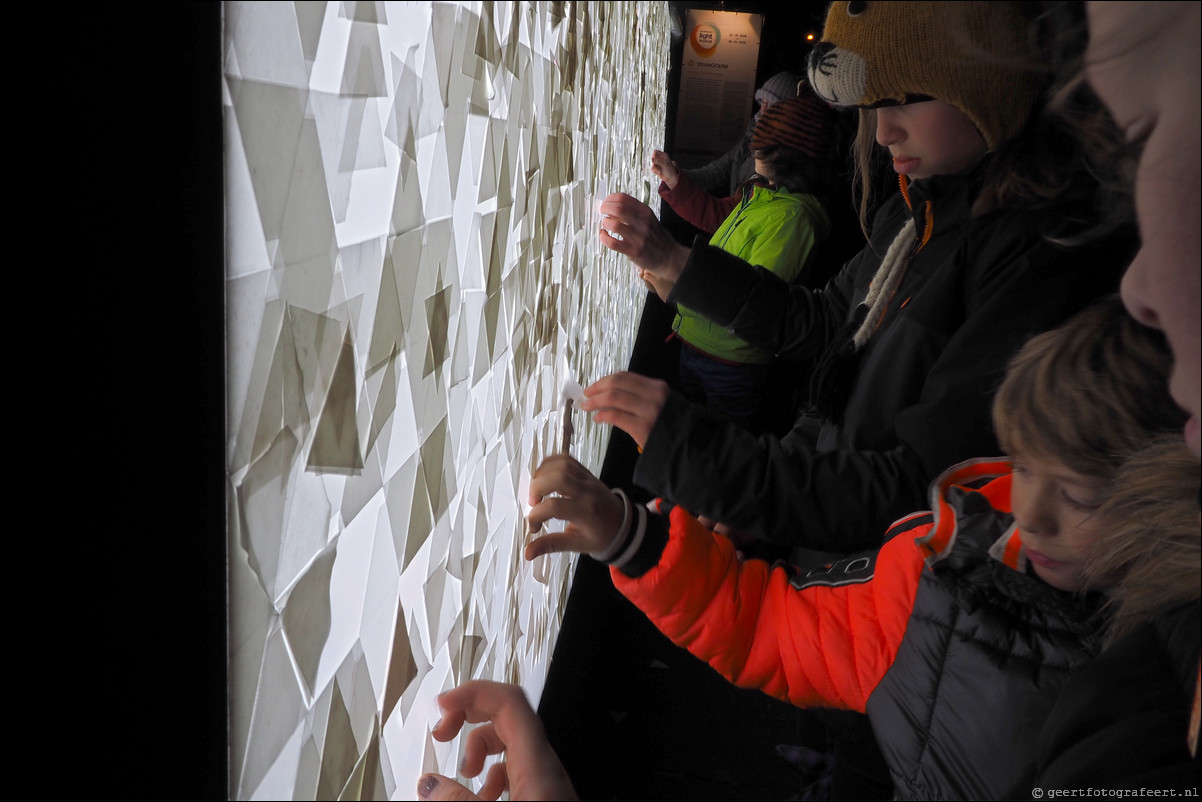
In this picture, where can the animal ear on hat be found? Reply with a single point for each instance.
(974, 55)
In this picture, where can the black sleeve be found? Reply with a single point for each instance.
(791, 321)
(655, 538)
(780, 491)
(1003, 291)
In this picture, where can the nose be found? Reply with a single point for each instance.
(1134, 291)
(888, 132)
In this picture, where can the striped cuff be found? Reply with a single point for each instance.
(622, 536)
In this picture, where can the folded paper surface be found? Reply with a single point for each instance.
(413, 277)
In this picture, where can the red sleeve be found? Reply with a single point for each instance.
(818, 646)
(696, 206)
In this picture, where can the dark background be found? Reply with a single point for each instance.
(117, 581)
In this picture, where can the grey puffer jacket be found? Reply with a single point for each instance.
(986, 651)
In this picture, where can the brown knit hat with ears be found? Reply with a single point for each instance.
(973, 55)
(803, 123)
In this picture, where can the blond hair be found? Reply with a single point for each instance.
(1149, 552)
(1088, 394)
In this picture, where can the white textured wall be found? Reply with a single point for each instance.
(412, 273)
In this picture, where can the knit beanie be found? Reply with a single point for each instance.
(781, 86)
(973, 55)
(803, 123)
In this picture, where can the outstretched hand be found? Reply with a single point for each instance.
(531, 769)
(593, 513)
(665, 168)
(642, 237)
(629, 401)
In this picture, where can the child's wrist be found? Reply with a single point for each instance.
(627, 539)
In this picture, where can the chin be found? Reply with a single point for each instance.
(1058, 580)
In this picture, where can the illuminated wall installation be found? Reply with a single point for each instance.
(412, 274)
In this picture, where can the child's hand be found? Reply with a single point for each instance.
(594, 514)
(530, 769)
(629, 401)
(665, 168)
(629, 227)
(661, 288)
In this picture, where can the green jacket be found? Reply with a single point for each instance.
(772, 228)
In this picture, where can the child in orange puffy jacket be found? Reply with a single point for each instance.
(955, 636)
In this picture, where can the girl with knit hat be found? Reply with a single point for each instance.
(795, 144)
(906, 344)
(725, 174)
(775, 221)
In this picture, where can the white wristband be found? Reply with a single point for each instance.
(636, 542)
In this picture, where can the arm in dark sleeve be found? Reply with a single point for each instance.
(785, 491)
(841, 499)
(792, 322)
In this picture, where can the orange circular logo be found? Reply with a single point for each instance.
(704, 39)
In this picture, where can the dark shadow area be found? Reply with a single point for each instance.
(122, 626)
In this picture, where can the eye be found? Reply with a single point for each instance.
(1077, 504)
(855, 9)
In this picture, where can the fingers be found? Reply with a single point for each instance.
(613, 243)
(497, 782)
(624, 207)
(479, 744)
(638, 427)
(563, 489)
(531, 769)
(556, 508)
(627, 392)
(556, 542)
(505, 705)
(449, 725)
(623, 215)
(436, 786)
(558, 473)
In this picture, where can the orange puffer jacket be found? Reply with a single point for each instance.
(940, 636)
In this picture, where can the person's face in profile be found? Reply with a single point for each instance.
(1144, 62)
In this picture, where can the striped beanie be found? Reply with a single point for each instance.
(803, 123)
(781, 86)
(973, 55)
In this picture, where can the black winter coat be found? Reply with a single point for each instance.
(1123, 721)
(921, 399)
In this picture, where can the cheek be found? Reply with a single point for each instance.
(1163, 286)
(961, 144)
